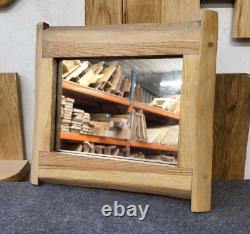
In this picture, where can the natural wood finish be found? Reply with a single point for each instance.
(44, 129)
(114, 174)
(5, 3)
(188, 115)
(123, 40)
(180, 11)
(106, 12)
(101, 12)
(200, 38)
(204, 108)
(160, 11)
(11, 122)
(241, 21)
(13, 170)
(232, 117)
(196, 117)
(141, 11)
(82, 91)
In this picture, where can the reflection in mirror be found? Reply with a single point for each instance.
(120, 108)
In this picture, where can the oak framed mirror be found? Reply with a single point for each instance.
(127, 107)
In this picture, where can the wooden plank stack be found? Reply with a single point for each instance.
(66, 113)
(138, 126)
(171, 160)
(170, 103)
(115, 126)
(112, 150)
(167, 135)
(88, 147)
(105, 76)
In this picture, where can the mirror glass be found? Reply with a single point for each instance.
(122, 108)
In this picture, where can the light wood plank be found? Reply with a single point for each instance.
(114, 174)
(44, 128)
(102, 12)
(188, 124)
(150, 11)
(160, 11)
(11, 122)
(202, 159)
(174, 11)
(231, 125)
(196, 117)
(123, 40)
(13, 170)
(241, 21)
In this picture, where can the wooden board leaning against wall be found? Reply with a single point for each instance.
(232, 117)
(13, 167)
(105, 12)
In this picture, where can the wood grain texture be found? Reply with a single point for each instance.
(114, 174)
(44, 129)
(141, 11)
(232, 117)
(160, 11)
(188, 125)
(11, 123)
(241, 21)
(13, 170)
(202, 159)
(102, 12)
(196, 117)
(123, 40)
(5, 3)
(180, 11)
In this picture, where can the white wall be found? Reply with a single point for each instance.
(17, 46)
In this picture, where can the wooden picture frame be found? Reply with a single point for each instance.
(197, 42)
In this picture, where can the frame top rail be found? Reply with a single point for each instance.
(122, 40)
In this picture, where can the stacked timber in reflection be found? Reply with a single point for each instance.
(72, 119)
(66, 113)
(104, 76)
(112, 150)
(167, 135)
(107, 125)
(88, 147)
(138, 126)
(170, 103)
(80, 122)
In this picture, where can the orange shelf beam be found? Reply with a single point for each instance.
(68, 136)
(93, 93)
(143, 145)
(73, 88)
(154, 110)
